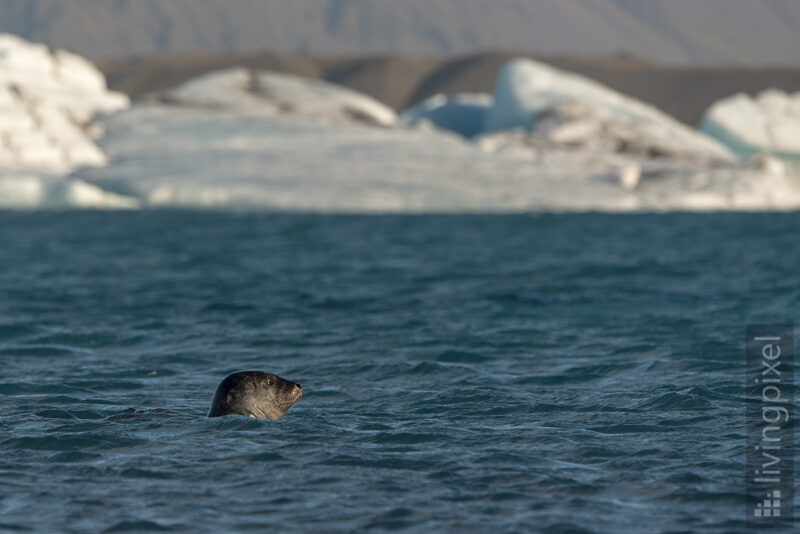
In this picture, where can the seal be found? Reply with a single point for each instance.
(256, 394)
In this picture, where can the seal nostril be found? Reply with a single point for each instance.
(298, 385)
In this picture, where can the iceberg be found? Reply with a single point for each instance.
(186, 153)
(768, 122)
(35, 191)
(464, 114)
(240, 139)
(568, 110)
(274, 93)
(48, 100)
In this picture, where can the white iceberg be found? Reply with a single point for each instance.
(168, 155)
(240, 89)
(48, 100)
(35, 191)
(464, 114)
(569, 110)
(769, 122)
(240, 139)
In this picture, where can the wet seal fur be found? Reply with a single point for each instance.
(256, 394)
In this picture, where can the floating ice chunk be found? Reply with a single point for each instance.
(629, 176)
(770, 122)
(464, 114)
(29, 191)
(566, 109)
(47, 101)
(186, 156)
(274, 93)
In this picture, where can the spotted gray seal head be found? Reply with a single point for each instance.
(255, 393)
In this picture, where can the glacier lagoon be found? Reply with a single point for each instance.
(573, 371)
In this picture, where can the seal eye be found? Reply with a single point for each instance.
(268, 382)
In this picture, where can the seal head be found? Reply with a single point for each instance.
(256, 394)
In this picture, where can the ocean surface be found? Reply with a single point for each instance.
(514, 373)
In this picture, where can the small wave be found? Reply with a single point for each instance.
(138, 526)
(12, 527)
(108, 385)
(74, 457)
(54, 414)
(395, 519)
(238, 423)
(676, 401)
(626, 428)
(382, 462)
(39, 351)
(409, 438)
(11, 331)
(71, 442)
(265, 457)
(228, 307)
(426, 368)
(695, 495)
(686, 478)
(135, 472)
(55, 392)
(696, 398)
(137, 415)
(68, 399)
(460, 356)
(574, 375)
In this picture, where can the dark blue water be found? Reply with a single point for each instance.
(575, 373)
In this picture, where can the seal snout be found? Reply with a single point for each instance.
(298, 387)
